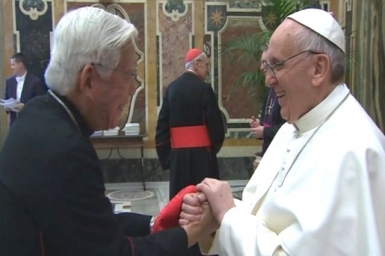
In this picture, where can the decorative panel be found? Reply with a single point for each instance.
(32, 28)
(175, 31)
(225, 22)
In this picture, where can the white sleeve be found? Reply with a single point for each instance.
(243, 234)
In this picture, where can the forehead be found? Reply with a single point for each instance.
(204, 58)
(282, 42)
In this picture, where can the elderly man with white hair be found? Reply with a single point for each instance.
(53, 197)
(319, 188)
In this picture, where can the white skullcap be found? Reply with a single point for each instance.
(323, 23)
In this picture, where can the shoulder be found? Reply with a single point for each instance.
(10, 79)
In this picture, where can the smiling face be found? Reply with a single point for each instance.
(293, 80)
(103, 99)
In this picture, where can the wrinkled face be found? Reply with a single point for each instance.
(17, 67)
(110, 95)
(292, 80)
(202, 67)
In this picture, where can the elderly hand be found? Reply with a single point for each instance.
(219, 196)
(192, 208)
(258, 131)
(254, 122)
(205, 226)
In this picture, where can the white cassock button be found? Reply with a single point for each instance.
(287, 150)
(282, 168)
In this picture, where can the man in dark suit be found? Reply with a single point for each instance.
(52, 194)
(22, 86)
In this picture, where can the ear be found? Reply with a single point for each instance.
(85, 81)
(321, 69)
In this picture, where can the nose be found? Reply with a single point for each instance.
(270, 80)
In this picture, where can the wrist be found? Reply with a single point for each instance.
(193, 232)
(152, 223)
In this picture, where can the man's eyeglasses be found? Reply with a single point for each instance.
(271, 67)
(132, 73)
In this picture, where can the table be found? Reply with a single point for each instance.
(121, 141)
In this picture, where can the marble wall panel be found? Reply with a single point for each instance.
(238, 101)
(175, 31)
(32, 27)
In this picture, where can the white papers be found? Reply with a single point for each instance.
(119, 207)
(10, 103)
(131, 129)
(111, 132)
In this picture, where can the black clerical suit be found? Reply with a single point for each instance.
(32, 87)
(270, 118)
(189, 103)
(52, 195)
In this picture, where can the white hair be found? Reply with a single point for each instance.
(307, 39)
(87, 35)
(191, 62)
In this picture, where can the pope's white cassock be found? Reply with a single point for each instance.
(319, 189)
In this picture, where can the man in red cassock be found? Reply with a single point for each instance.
(190, 129)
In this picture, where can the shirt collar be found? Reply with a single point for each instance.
(21, 78)
(318, 114)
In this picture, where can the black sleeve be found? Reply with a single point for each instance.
(214, 120)
(134, 224)
(278, 121)
(6, 95)
(162, 137)
(269, 132)
(77, 219)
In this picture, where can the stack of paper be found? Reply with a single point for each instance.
(120, 207)
(97, 133)
(131, 129)
(111, 132)
(9, 103)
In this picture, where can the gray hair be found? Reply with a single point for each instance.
(191, 62)
(87, 35)
(307, 39)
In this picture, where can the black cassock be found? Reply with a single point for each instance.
(189, 103)
(271, 119)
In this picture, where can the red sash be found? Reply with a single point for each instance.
(190, 137)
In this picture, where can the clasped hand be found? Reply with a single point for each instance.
(218, 195)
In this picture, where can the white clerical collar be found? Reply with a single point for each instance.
(21, 78)
(319, 113)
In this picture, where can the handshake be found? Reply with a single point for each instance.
(198, 209)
